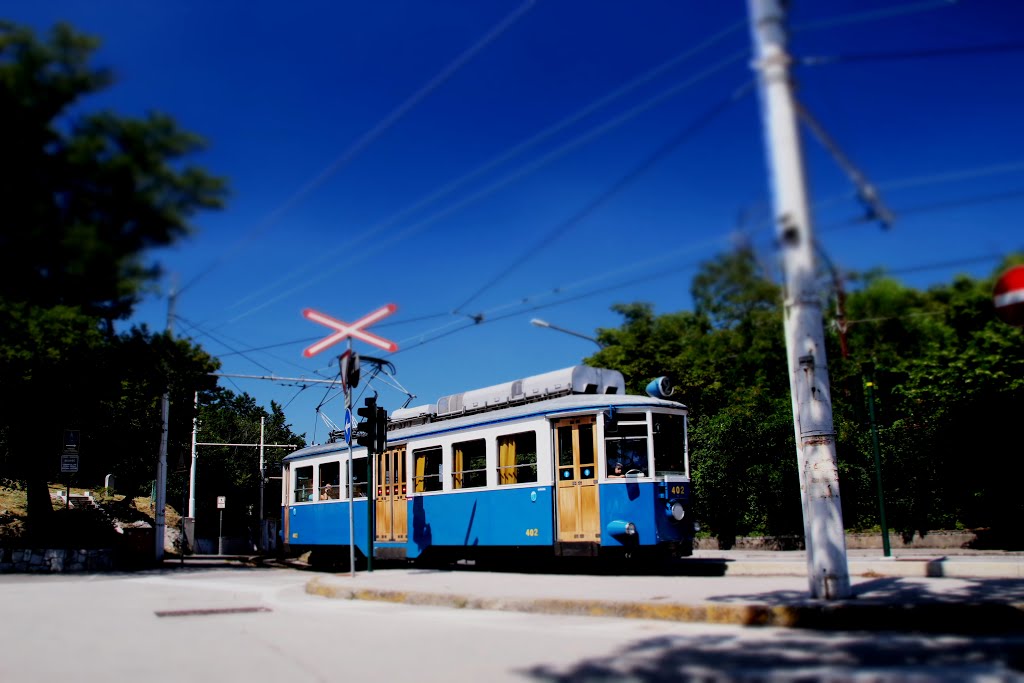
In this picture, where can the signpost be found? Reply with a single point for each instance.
(221, 503)
(69, 458)
(348, 364)
(1009, 296)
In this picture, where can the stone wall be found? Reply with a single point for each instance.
(931, 539)
(52, 560)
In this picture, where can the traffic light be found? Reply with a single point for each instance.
(366, 431)
(381, 443)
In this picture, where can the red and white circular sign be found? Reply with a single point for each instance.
(1009, 296)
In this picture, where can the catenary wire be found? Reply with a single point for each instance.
(503, 157)
(369, 137)
(234, 351)
(601, 102)
(938, 52)
(899, 183)
(622, 183)
(510, 177)
(872, 15)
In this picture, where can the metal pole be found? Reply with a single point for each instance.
(220, 535)
(161, 465)
(827, 567)
(371, 461)
(195, 459)
(351, 493)
(870, 382)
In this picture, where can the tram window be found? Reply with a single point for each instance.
(428, 469)
(586, 451)
(359, 477)
(329, 480)
(669, 446)
(303, 484)
(626, 448)
(517, 458)
(469, 464)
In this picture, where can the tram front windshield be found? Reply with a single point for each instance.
(669, 444)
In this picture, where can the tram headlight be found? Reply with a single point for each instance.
(677, 510)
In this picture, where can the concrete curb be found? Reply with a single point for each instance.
(903, 567)
(976, 618)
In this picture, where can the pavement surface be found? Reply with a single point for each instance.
(921, 592)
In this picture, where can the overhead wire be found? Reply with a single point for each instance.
(513, 176)
(514, 151)
(663, 151)
(938, 52)
(892, 184)
(370, 136)
(647, 76)
(234, 351)
(224, 344)
(872, 15)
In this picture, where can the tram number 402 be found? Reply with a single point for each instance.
(677, 490)
(533, 532)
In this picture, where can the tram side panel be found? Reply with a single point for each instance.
(516, 517)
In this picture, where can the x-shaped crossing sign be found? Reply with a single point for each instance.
(355, 330)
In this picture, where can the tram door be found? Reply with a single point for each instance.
(392, 512)
(579, 515)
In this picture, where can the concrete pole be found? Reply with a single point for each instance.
(161, 464)
(827, 569)
(262, 420)
(195, 460)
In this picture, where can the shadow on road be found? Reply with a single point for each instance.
(791, 656)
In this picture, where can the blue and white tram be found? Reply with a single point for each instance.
(563, 463)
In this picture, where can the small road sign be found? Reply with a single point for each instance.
(355, 330)
(348, 426)
(1009, 296)
(69, 463)
(222, 502)
(72, 441)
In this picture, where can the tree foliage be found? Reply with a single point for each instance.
(949, 377)
(86, 196)
(233, 471)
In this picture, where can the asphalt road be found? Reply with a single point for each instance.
(224, 624)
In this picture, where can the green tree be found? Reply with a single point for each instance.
(85, 196)
(949, 381)
(727, 358)
(233, 471)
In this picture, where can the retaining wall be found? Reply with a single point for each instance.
(931, 539)
(51, 560)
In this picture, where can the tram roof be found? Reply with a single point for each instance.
(553, 407)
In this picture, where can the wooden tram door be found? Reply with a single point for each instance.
(392, 511)
(579, 515)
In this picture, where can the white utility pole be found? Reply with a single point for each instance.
(827, 569)
(161, 463)
(195, 459)
(262, 420)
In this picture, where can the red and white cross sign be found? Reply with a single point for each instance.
(355, 330)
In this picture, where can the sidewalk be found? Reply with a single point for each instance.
(745, 593)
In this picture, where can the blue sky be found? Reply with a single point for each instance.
(335, 121)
